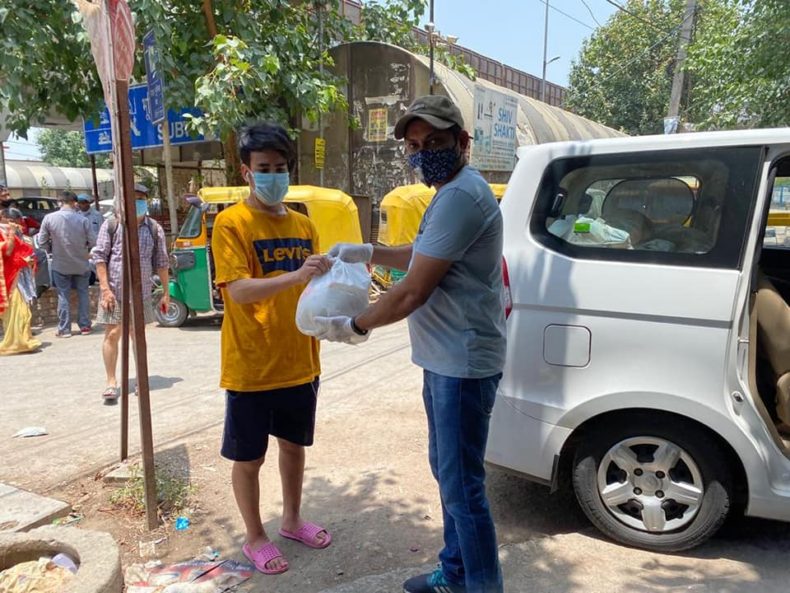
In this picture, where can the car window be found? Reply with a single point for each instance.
(674, 206)
(36, 204)
(776, 233)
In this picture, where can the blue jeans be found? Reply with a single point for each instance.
(458, 414)
(64, 283)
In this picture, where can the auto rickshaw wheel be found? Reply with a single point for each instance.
(175, 316)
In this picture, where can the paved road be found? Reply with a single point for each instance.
(367, 476)
(59, 388)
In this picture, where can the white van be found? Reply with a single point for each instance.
(648, 331)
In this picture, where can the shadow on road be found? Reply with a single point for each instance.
(523, 509)
(747, 556)
(202, 323)
(371, 532)
(160, 382)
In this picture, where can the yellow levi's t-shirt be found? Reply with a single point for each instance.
(261, 347)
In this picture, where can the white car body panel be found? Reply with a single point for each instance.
(643, 319)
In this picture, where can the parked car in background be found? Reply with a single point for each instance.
(644, 294)
(36, 207)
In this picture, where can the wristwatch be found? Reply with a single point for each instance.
(358, 330)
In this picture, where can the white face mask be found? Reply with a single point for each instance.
(270, 188)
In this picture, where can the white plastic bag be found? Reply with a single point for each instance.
(595, 232)
(343, 290)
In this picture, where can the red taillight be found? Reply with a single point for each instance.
(506, 296)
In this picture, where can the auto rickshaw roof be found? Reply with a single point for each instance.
(405, 195)
(296, 193)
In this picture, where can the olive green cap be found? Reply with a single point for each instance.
(437, 110)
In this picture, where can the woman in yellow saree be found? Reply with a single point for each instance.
(16, 259)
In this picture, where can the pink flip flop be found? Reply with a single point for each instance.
(263, 555)
(307, 534)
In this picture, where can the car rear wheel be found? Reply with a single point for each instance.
(175, 316)
(659, 485)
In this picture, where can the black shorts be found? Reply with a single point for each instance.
(251, 416)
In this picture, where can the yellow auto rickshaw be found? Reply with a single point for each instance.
(400, 216)
(192, 287)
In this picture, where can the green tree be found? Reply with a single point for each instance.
(390, 22)
(45, 64)
(744, 59)
(64, 148)
(623, 75)
(737, 66)
(394, 22)
(235, 59)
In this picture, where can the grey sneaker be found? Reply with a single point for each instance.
(63, 334)
(434, 582)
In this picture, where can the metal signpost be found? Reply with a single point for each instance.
(110, 27)
(158, 112)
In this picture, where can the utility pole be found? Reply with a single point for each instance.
(431, 27)
(3, 174)
(673, 116)
(545, 50)
(320, 8)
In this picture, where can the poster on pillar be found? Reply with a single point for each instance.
(494, 131)
(377, 124)
(145, 133)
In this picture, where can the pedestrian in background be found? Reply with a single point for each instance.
(17, 290)
(5, 197)
(15, 216)
(67, 235)
(108, 258)
(86, 208)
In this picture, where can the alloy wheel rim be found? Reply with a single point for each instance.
(650, 484)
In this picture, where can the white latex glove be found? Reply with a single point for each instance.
(338, 329)
(352, 253)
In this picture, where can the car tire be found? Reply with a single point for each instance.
(175, 316)
(656, 484)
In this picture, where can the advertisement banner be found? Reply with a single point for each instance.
(494, 131)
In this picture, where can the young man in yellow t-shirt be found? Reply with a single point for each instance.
(264, 255)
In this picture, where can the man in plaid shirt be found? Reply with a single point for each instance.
(108, 258)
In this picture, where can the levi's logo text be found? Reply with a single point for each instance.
(286, 255)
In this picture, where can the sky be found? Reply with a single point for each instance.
(21, 149)
(509, 31)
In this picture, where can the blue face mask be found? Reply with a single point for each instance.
(270, 188)
(141, 206)
(434, 166)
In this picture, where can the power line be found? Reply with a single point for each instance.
(641, 55)
(587, 6)
(565, 14)
(634, 15)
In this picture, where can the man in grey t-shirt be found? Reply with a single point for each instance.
(452, 296)
(67, 235)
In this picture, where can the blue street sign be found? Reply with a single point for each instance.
(145, 133)
(153, 74)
